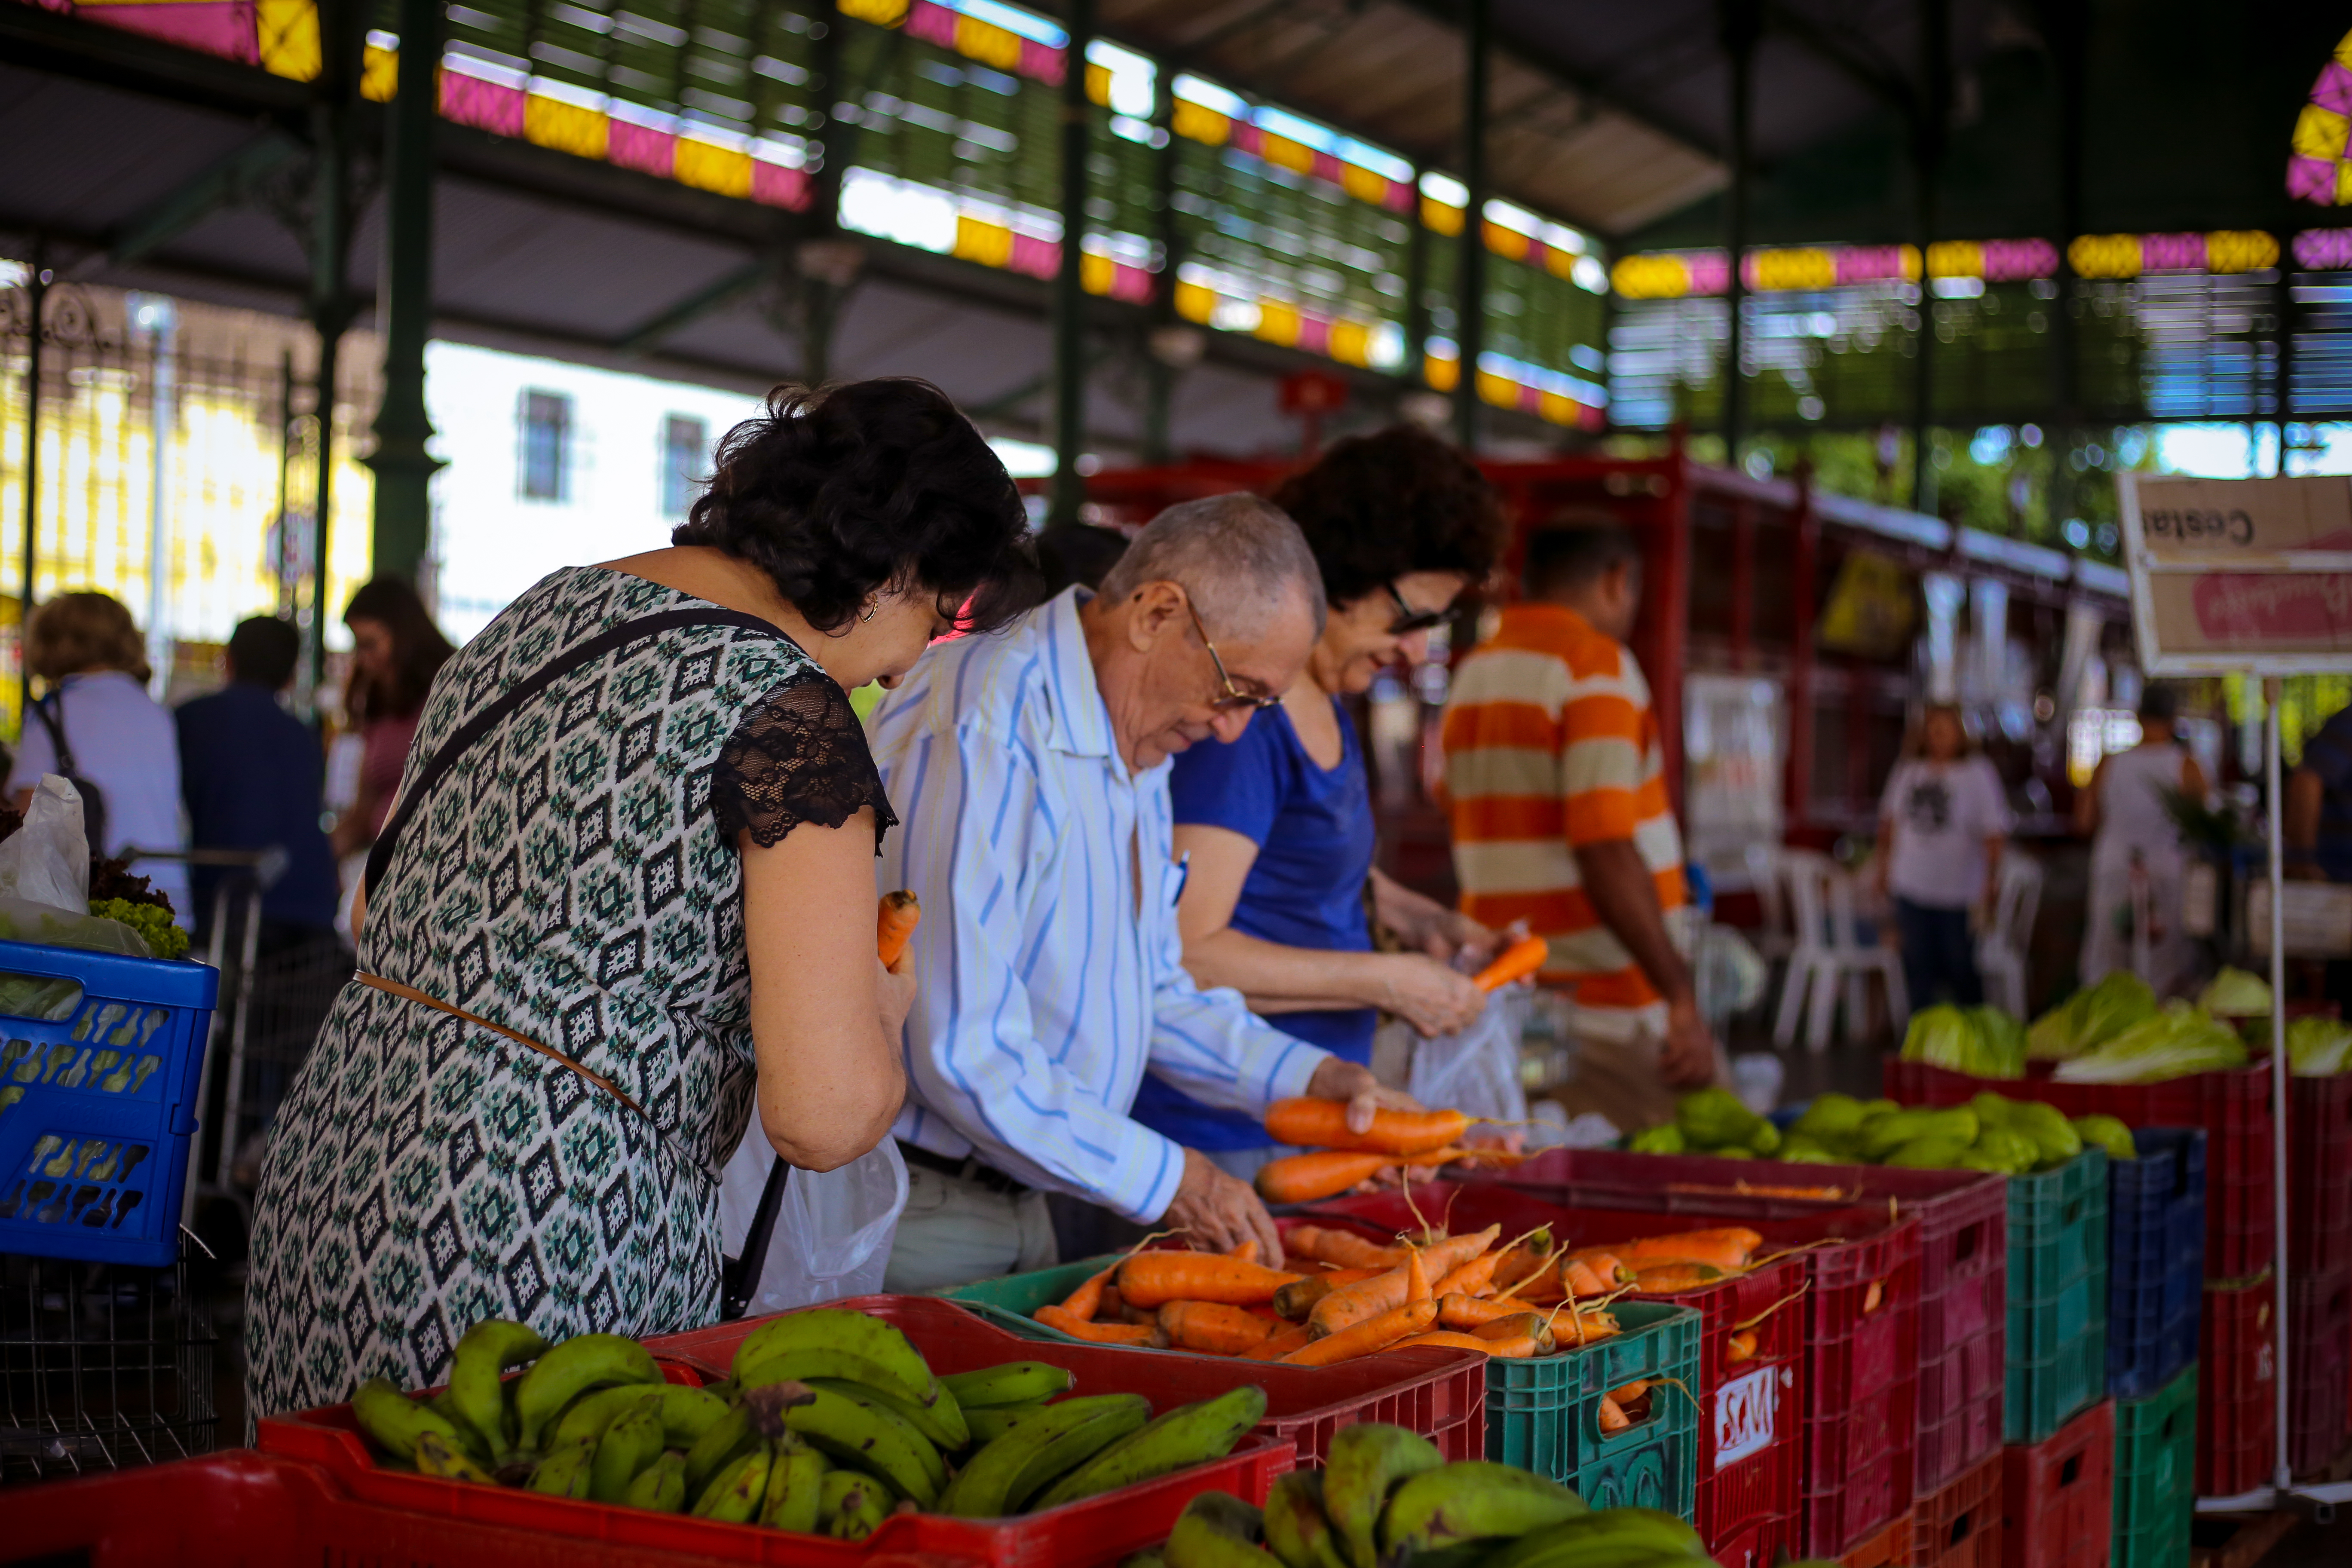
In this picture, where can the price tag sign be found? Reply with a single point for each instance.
(2240, 574)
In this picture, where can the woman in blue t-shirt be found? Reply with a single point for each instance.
(1278, 826)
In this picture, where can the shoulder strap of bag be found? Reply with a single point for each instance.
(52, 711)
(498, 712)
(738, 1278)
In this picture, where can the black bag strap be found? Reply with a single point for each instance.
(496, 713)
(738, 1278)
(51, 711)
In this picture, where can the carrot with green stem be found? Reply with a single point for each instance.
(894, 924)
(1342, 1249)
(1296, 1299)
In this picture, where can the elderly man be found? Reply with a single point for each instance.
(1028, 768)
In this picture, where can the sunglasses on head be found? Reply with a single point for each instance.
(1410, 620)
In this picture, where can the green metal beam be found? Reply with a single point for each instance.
(1069, 492)
(40, 40)
(402, 535)
(1881, 81)
(1470, 264)
(716, 295)
(226, 183)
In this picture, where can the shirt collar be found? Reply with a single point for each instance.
(1081, 722)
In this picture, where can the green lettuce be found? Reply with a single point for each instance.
(2235, 994)
(2176, 1041)
(1983, 1042)
(2318, 1048)
(2090, 1019)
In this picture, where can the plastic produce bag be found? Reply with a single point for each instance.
(1476, 1071)
(833, 1231)
(47, 861)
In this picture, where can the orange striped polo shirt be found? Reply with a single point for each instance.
(1550, 743)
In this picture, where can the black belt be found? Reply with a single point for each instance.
(967, 1169)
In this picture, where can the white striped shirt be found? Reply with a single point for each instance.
(1045, 993)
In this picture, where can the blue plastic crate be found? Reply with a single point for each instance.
(97, 1103)
(2156, 1260)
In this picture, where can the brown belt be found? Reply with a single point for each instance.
(412, 994)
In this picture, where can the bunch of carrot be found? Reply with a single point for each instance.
(1339, 1160)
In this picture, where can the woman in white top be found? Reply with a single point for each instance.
(1940, 831)
(88, 650)
(2125, 809)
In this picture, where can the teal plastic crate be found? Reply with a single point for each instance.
(2056, 1342)
(2156, 1475)
(1008, 1299)
(1543, 1413)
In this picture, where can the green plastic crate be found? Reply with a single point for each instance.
(1008, 1299)
(1543, 1413)
(2056, 1344)
(2156, 1475)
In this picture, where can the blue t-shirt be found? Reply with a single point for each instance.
(252, 775)
(1314, 833)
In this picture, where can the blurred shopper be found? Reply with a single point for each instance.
(636, 909)
(1277, 827)
(1555, 780)
(396, 650)
(2317, 811)
(252, 775)
(98, 725)
(2135, 836)
(1030, 771)
(1079, 552)
(1941, 825)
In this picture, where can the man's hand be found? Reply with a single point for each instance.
(1218, 1211)
(1337, 1079)
(1687, 1060)
(1426, 993)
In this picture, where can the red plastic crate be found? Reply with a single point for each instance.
(2319, 1343)
(2237, 1407)
(1959, 1525)
(1959, 1411)
(241, 1508)
(2234, 1109)
(2319, 1174)
(1963, 1228)
(1759, 1544)
(1888, 1548)
(2057, 1496)
(1750, 1411)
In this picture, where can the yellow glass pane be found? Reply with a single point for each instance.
(881, 13)
(1440, 373)
(1499, 390)
(2318, 132)
(1558, 409)
(1198, 123)
(1098, 84)
(1651, 277)
(988, 44)
(379, 75)
(1352, 343)
(1096, 272)
(1507, 242)
(1440, 218)
(710, 168)
(1363, 184)
(1194, 301)
(1277, 321)
(977, 239)
(1290, 155)
(565, 127)
(2343, 183)
(287, 32)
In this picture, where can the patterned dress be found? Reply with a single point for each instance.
(573, 876)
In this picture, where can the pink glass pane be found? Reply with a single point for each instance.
(2172, 253)
(2334, 88)
(1866, 263)
(932, 24)
(2312, 180)
(1041, 61)
(1247, 138)
(774, 185)
(1326, 167)
(1710, 272)
(2011, 260)
(2323, 249)
(1313, 333)
(1033, 257)
(1400, 197)
(1132, 284)
(645, 149)
(224, 28)
(485, 105)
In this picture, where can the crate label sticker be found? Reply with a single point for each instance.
(1744, 1411)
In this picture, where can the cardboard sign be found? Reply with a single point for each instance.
(2209, 519)
(2240, 574)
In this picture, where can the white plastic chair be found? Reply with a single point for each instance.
(1773, 939)
(1830, 955)
(2001, 948)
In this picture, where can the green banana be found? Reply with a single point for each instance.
(725, 1390)
(728, 1440)
(660, 1485)
(396, 1421)
(588, 1417)
(943, 1422)
(436, 1455)
(1002, 1476)
(734, 1493)
(1295, 1529)
(861, 1433)
(579, 1364)
(795, 1485)
(990, 1422)
(1366, 1462)
(686, 1414)
(910, 1435)
(565, 1471)
(628, 1445)
(1472, 1500)
(1610, 1538)
(1187, 1435)
(484, 1351)
(1217, 1530)
(833, 1342)
(853, 1506)
(1014, 1383)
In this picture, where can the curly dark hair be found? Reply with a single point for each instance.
(865, 485)
(1376, 507)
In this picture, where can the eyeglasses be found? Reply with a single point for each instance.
(1233, 699)
(1410, 620)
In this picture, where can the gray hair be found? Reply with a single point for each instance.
(1239, 556)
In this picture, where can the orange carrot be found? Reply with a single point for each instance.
(1447, 1340)
(1580, 1279)
(1245, 1249)
(1871, 1297)
(1296, 1299)
(1110, 1306)
(1211, 1327)
(1740, 1347)
(1518, 1326)
(1517, 962)
(1612, 1419)
(1416, 1279)
(1101, 1333)
(1086, 1300)
(1312, 1124)
(894, 923)
(1468, 1312)
(1523, 1259)
(1327, 1173)
(1631, 1391)
(1442, 1257)
(1276, 1345)
(1343, 1248)
(1471, 1279)
(1727, 1249)
(1149, 1280)
(1667, 1278)
(1365, 1298)
(1606, 1265)
(1364, 1338)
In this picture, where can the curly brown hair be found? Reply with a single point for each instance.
(87, 630)
(1376, 507)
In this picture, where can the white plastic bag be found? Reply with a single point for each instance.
(47, 861)
(1476, 1071)
(833, 1231)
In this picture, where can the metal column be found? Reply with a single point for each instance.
(329, 300)
(1470, 271)
(1069, 290)
(36, 294)
(403, 468)
(1928, 132)
(1742, 21)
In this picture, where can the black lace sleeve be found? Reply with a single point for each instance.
(798, 757)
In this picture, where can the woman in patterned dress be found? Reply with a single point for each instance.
(660, 866)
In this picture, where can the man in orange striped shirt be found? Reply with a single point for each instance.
(1556, 784)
